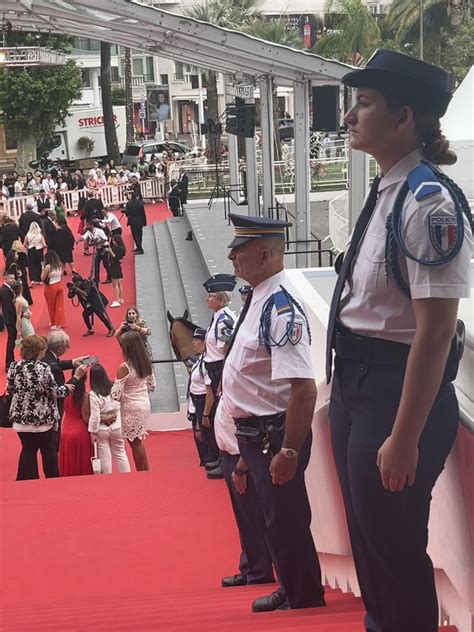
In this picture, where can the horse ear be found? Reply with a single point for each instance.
(186, 314)
(170, 318)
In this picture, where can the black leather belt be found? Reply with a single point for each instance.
(371, 350)
(214, 365)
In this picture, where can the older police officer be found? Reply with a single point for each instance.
(393, 409)
(268, 388)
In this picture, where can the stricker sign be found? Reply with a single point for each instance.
(93, 121)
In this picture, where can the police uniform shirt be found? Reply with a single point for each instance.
(224, 429)
(199, 378)
(255, 382)
(373, 304)
(215, 349)
(95, 235)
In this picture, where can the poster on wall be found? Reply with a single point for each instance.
(309, 26)
(158, 100)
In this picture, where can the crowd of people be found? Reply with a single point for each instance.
(393, 410)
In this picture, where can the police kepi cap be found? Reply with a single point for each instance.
(413, 82)
(245, 289)
(247, 228)
(199, 333)
(220, 283)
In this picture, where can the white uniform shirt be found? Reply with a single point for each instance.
(111, 222)
(215, 349)
(224, 429)
(255, 382)
(199, 378)
(373, 305)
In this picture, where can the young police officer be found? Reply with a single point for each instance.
(268, 388)
(393, 409)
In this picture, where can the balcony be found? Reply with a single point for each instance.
(137, 81)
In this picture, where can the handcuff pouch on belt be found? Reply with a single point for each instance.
(265, 431)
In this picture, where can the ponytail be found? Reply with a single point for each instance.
(434, 144)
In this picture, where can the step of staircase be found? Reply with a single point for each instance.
(213, 610)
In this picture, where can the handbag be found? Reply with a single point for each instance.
(5, 403)
(95, 461)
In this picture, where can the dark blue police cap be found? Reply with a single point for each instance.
(411, 81)
(199, 333)
(247, 228)
(220, 283)
(245, 289)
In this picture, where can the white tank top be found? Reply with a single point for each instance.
(55, 275)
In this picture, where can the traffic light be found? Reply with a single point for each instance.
(240, 119)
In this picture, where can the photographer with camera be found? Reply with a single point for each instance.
(95, 236)
(134, 322)
(92, 302)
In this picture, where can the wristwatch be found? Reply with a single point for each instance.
(289, 453)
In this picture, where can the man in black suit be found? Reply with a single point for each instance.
(93, 207)
(183, 183)
(27, 218)
(58, 344)
(135, 212)
(43, 202)
(11, 233)
(9, 316)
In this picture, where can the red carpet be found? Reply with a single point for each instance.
(107, 349)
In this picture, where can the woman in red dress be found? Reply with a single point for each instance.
(75, 443)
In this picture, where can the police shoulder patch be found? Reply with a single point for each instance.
(295, 333)
(443, 232)
(423, 182)
(282, 304)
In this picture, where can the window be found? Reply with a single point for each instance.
(137, 67)
(178, 71)
(114, 74)
(163, 80)
(86, 77)
(150, 69)
(194, 81)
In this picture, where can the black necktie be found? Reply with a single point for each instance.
(344, 271)
(242, 316)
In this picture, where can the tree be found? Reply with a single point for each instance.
(440, 17)
(231, 14)
(127, 67)
(111, 140)
(458, 50)
(36, 99)
(356, 33)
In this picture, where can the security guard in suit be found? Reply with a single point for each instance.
(268, 388)
(393, 325)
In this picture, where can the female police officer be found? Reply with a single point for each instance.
(393, 409)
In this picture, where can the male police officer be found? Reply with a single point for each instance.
(268, 388)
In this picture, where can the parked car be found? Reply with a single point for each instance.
(133, 152)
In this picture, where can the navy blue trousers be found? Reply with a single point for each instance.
(388, 530)
(287, 515)
(255, 561)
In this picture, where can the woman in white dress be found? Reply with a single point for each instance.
(134, 380)
(24, 326)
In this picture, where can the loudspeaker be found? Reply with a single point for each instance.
(326, 114)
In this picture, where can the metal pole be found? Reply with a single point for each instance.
(252, 179)
(266, 124)
(201, 110)
(421, 28)
(302, 172)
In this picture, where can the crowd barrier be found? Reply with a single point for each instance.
(116, 195)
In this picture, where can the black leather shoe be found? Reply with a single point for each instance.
(217, 473)
(212, 466)
(275, 601)
(234, 580)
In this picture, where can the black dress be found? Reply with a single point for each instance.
(20, 272)
(65, 244)
(115, 263)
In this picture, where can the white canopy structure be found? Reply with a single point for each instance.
(240, 56)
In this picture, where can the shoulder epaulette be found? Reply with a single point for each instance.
(423, 182)
(282, 303)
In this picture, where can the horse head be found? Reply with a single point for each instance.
(181, 336)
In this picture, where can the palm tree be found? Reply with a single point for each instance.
(127, 68)
(111, 141)
(439, 17)
(274, 31)
(230, 14)
(356, 32)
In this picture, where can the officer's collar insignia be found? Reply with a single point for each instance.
(295, 334)
(443, 232)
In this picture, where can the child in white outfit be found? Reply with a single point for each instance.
(105, 424)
